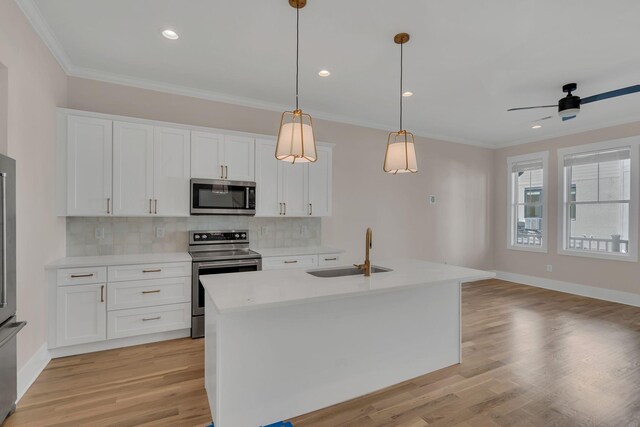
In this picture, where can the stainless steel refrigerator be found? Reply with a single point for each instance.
(9, 327)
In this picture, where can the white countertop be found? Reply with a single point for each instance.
(261, 289)
(92, 261)
(308, 250)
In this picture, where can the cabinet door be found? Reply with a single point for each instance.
(267, 187)
(81, 314)
(89, 150)
(207, 155)
(239, 158)
(294, 188)
(171, 171)
(320, 184)
(132, 169)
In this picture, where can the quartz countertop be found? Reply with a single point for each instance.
(262, 289)
(307, 250)
(107, 260)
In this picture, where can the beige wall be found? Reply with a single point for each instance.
(456, 229)
(616, 275)
(35, 86)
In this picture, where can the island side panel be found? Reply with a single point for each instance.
(211, 356)
(280, 362)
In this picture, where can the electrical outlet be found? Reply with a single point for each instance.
(549, 268)
(159, 232)
(432, 200)
(99, 232)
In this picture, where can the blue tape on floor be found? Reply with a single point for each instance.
(278, 424)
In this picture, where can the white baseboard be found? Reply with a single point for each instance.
(621, 297)
(118, 343)
(32, 369)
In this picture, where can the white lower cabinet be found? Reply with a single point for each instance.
(101, 303)
(81, 314)
(148, 320)
(326, 260)
(289, 262)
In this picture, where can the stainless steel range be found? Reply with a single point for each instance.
(216, 252)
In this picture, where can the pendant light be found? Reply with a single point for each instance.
(401, 154)
(296, 143)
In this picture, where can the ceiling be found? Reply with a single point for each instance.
(468, 61)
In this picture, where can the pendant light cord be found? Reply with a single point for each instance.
(297, 51)
(401, 60)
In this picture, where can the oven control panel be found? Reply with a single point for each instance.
(212, 237)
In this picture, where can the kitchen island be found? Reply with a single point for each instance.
(283, 343)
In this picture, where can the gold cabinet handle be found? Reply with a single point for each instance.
(285, 208)
(157, 291)
(150, 206)
(291, 262)
(102, 293)
(146, 319)
(221, 172)
(310, 208)
(280, 213)
(331, 259)
(226, 172)
(155, 210)
(154, 270)
(108, 205)
(74, 276)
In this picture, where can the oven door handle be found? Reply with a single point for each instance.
(228, 263)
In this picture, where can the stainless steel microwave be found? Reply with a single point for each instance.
(222, 197)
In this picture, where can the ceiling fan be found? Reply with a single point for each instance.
(569, 106)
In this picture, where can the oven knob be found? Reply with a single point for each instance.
(244, 236)
(204, 236)
(236, 236)
(196, 236)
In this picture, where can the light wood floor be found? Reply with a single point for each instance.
(531, 357)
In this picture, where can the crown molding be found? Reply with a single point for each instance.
(33, 15)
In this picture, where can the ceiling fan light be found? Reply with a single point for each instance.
(296, 142)
(401, 153)
(569, 112)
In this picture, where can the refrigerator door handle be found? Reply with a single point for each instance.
(9, 331)
(3, 292)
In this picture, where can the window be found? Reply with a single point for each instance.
(598, 200)
(527, 201)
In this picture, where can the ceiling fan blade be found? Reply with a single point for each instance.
(530, 108)
(544, 118)
(564, 119)
(611, 94)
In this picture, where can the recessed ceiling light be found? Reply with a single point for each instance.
(324, 73)
(407, 93)
(170, 34)
(536, 126)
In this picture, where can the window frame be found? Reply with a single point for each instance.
(511, 161)
(564, 220)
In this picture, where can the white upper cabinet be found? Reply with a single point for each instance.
(89, 150)
(239, 158)
(132, 169)
(320, 183)
(207, 155)
(172, 160)
(267, 184)
(217, 156)
(294, 190)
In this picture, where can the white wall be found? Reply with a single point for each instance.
(35, 86)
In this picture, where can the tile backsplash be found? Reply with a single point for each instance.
(116, 236)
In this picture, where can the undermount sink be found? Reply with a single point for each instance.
(346, 271)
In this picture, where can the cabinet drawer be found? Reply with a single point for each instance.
(289, 262)
(148, 320)
(81, 276)
(147, 293)
(328, 259)
(119, 273)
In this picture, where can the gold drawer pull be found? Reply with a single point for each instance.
(290, 262)
(155, 270)
(331, 259)
(146, 319)
(157, 291)
(75, 276)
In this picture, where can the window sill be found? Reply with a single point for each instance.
(540, 249)
(606, 256)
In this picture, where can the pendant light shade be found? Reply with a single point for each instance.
(296, 143)
(400, 156)
(401, 153)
